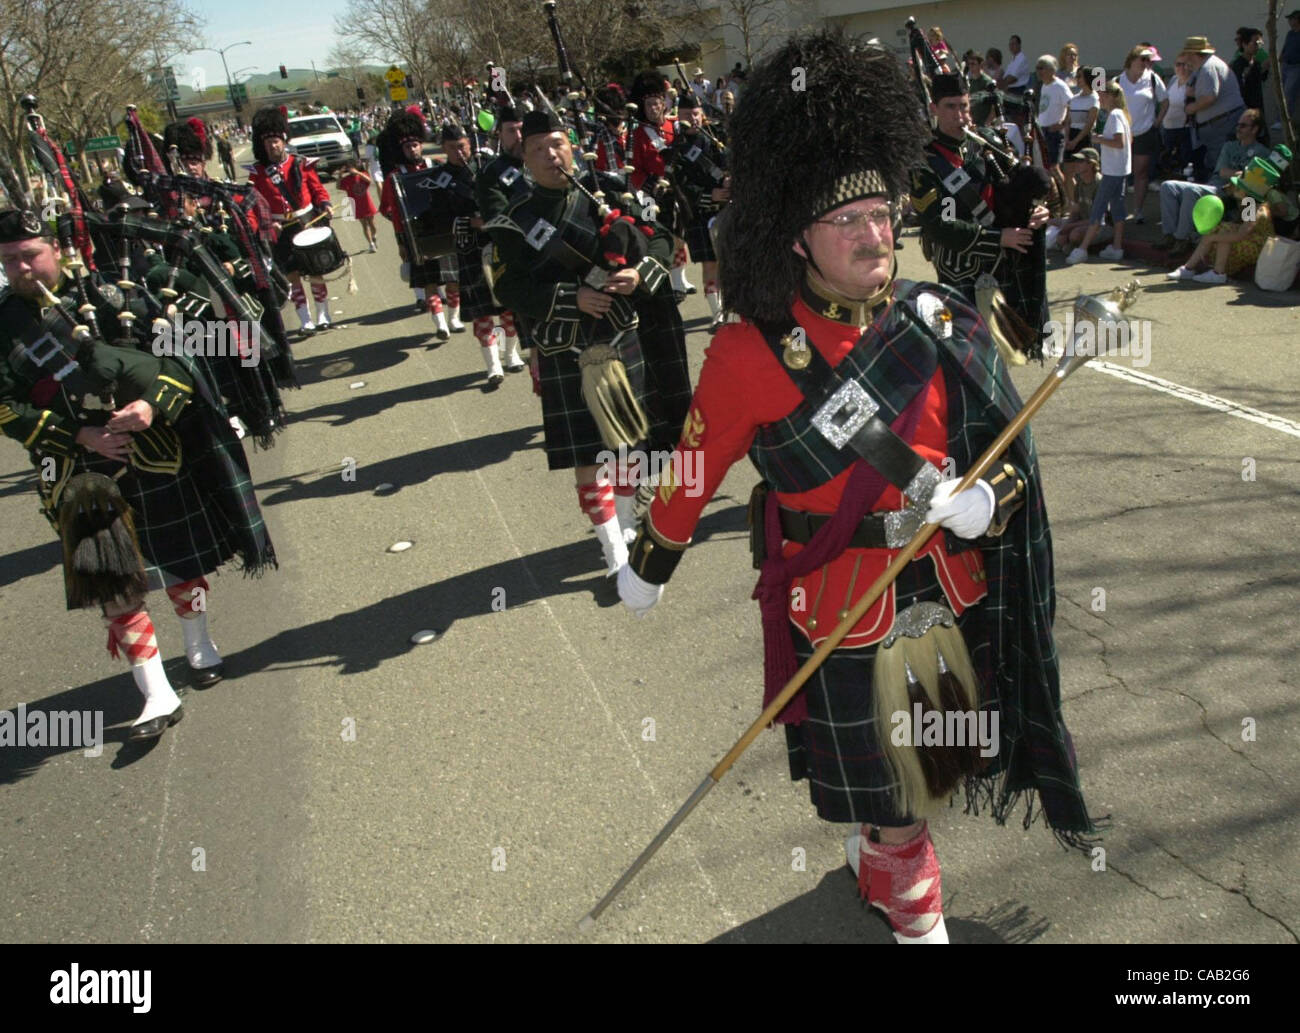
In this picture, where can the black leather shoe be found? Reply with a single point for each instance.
(203, 677)
(156, 727)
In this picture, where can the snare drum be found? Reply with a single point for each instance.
(317, 251)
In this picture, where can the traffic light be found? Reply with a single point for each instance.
(361, 94)
(410, 83)
(284, 72)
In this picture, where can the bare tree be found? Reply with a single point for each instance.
(755, 24)
(83, 59)
(393, 29)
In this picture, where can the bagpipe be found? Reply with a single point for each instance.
(240, 213)
(671, 207)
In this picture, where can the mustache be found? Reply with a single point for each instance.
(872, 251)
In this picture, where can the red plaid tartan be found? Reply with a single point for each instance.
(182, 595)
(902, 879)
(134, 633)
(597, 501)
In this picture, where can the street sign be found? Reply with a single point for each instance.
(237, 93)
(395, 76)
(397, 93)
(102, 143)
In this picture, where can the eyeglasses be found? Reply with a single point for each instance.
(852, 225)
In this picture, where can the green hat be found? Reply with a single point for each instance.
(1258, 178)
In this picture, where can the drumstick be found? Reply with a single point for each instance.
(315, 220)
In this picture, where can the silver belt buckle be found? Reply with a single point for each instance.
(845, 413)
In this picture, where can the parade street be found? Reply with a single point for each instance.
(345, 784)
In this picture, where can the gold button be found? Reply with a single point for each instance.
(842, 614)
(812, 623)
(1008, 469)
(1020, 486)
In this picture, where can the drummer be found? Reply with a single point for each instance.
(297, 199)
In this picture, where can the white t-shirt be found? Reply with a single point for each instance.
(1012, 132)
(1117, 161)
(1017, 70)
(1083, 111)
(1053, 102)
(1144, 97)
(1175, 116)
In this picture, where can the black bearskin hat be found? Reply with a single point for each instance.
(401, 126)
(613, 99)
(855, 129)
(267, 122)
(647, 84)
(190, 137)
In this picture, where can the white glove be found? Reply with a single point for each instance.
(968, 514)
(638, 595)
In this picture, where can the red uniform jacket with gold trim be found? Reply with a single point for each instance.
(743, 386)
(648, 161)
(311, 191)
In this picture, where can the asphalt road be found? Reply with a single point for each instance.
(501, 777)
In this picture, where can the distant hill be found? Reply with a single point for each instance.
(299, 79)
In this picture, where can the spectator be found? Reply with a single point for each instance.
(1067, 233)
(993, 64)
(1068, 66)
(1247, 223)
(942, 52)
(1178, 199)
(728, 103)
(1175, 133)
(978, 80)
(700, 86)
(1290, 61)
(1053, 117)
(1116, 165)
(1083, 119)
(1216, 102)
(356, 184)
(1147, 99)
(1016, 77)
(1250, 67)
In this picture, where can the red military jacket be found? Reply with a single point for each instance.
(388, 200)
(293, 180)
(742, 386)
(650, 146)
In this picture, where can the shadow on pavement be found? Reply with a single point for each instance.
(35, 559)
(116, 697)
(359, 405)
(832, 913)
(402, 471)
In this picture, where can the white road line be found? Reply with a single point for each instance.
(1191, 394)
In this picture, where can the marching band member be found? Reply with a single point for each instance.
(405, 132)
(293, 191)
(123, 431)
(699, 165)
(849, 388)
(652, 142)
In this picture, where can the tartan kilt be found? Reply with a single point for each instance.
(667, 371)
(443, 269)
(698, 239)
(837, 749)
(476, 299)
(572, 437)
(191, 523)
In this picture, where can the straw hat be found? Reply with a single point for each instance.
(1197, 45)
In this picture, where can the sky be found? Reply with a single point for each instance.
(282, 32)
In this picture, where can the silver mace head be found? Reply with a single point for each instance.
(1101, 316)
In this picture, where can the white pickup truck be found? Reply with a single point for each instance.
(320, 137)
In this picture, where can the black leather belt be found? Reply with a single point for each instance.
(797, 526)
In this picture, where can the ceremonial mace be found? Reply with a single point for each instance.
(1102, 315)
